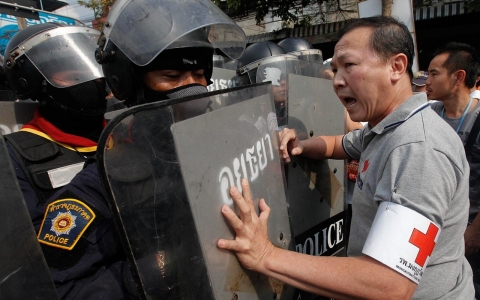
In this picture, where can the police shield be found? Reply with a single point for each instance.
(222, 79)
(316, 186)
(13, 115)
(276, 70)
(23, 270)
(168, 167)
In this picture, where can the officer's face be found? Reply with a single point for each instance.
(165, 80)
(280, 92)
(440, 84)
(362, 78)
(66, 78)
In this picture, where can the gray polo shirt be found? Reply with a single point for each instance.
(464, 132)
(413, 158)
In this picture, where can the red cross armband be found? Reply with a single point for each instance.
(402, 239)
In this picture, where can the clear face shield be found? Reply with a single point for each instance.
(144, 28)
(311, 62)
(65, 56)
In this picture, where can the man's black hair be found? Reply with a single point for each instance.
(461, 57)
(389, 37)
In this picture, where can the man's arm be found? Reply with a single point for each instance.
(320, 147)
(337, 277)
(472, 237)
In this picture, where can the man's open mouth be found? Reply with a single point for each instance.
(350, 102)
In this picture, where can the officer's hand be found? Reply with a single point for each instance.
(289, 144)
(472, 239)
(251, 245)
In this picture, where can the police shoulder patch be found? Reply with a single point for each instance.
(64, 223)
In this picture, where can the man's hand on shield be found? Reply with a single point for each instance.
(251, 245)
(289, 144)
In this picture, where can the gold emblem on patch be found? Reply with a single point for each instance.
(63, 223)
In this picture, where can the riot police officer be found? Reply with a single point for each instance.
(164, 52)
(49, 63)
(55, 65)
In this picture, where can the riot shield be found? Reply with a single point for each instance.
(276, 70)
(13, 115)
(23, 270)
(314, 186)
(168, 167)
(222, 79)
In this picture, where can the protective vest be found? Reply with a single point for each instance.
(47, 165)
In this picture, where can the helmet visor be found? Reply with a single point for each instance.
(143, 28)
(65, 56)
(311, 62)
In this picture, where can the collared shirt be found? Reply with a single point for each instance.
(413, 158)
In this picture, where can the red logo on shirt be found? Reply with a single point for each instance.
(365, 165)
(424, 242)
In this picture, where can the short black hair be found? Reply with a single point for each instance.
(389, 37)
(461, 57)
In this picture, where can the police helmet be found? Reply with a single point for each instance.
(252, 57)
(50, 58)
(165, 34)
(294, 44)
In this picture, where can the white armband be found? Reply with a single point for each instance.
(402, 239)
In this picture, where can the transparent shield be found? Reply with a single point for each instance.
(23, 270)
(144, 28)
(68, 59)
(276, 70)
(316, 186)
(169, 167)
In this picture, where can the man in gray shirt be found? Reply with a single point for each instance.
(410, 203)
(453, 74)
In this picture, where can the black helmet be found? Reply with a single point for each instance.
(294, 44)
(51, 62)
(170, 35)
(258, 51)
(23, 77)
(251, 58)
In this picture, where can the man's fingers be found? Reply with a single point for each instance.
(296, 151)
(264, 211)
(247, 193)
(233, 219)
(286, 135)
(243, 206)
(227, 245)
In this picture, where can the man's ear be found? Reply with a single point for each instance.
(459, 77)
(399, 64)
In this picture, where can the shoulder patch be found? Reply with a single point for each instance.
(64, 223)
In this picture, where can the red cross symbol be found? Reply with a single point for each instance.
(424, 242)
